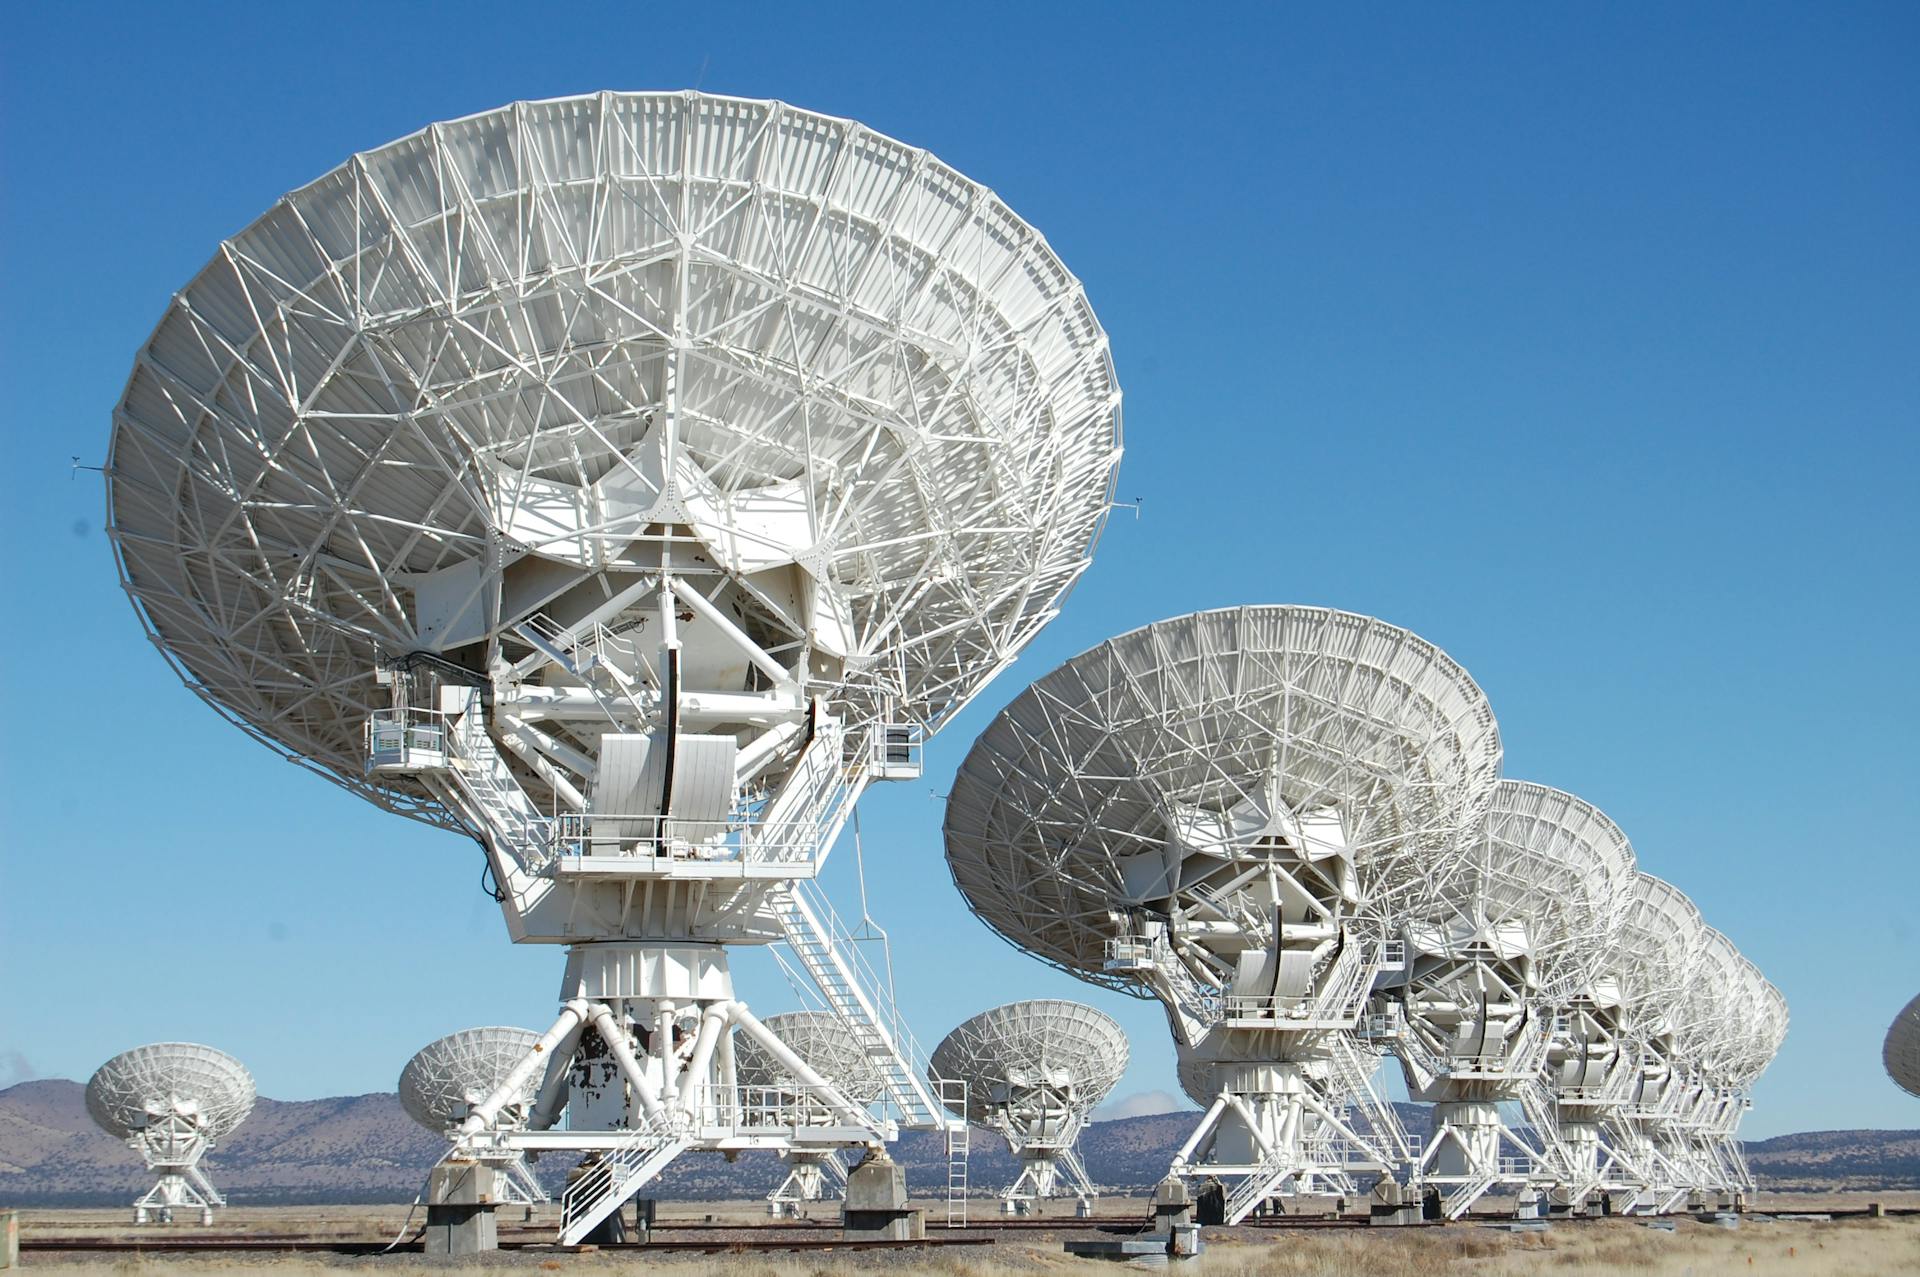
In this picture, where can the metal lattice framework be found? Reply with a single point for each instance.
(1592, 1068)
(1658, 948)
(1035, 1071)
(511, 342)
(1211, 732)
(124, 1093)
(172, 1102)
(627, 480)
(1901, 1051)
(450, 1075)
(1225, 810)
(446, 1078)
(1498, 946)
(822, 1042)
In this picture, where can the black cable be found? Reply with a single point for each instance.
(486, 872)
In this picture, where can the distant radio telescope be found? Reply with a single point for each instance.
(444, 1080)
(1224, 811)
(1901, 1053)
(172, 1102)
(1034, 1072)
(819, 1042)
(626, 481)
(1497, 941)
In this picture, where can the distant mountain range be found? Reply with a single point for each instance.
(363, 1148)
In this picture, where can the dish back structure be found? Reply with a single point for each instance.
(1223, 811)
(1661, 936)
(821, 1042)
(1901, 1050)
(172, 1102)
(1501, 941)
(626, 481)
(1034, 1072)
(446, 1078)
(1590, 1064)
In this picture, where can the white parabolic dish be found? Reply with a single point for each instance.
(1074, 1051)
(1196, 720)
(149, 1080)
(823, 1044)
(1901, 1053)
(427, 395)
(463, 1068)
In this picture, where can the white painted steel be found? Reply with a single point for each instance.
(819, 1039)
(450, 1075)
(626, 480)
(1499, 942)
(123, 1093)
(1592, 1064)
(454, 380)
(172, 1102)
(1660, 938)
(1226, 811)
(1034, 1072)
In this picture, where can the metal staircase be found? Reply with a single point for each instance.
(483, 777)
(826, 952)
(1537, 1102)
(611, 1182)
(1351, 1087)
(1258, 1187)
(1462, 1198)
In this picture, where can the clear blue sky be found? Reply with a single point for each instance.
(1582, 340)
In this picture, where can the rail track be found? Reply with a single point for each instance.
(346, 1246)
(767, 1236)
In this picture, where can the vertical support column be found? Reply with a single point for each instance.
(876, 1208)
(461, 1197)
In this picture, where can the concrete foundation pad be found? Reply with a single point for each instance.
(461, 1198)
(876, 1207)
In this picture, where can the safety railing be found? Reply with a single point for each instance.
(852, 980)
(670, 839)
(1132, 955)
(406, 740)
(1337, 1003)
(894, 750)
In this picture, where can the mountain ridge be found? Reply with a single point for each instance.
(364, 1149)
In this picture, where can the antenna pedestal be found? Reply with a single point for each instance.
(1271, 1127)
(173, 1146)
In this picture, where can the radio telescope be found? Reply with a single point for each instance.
(1034, 1072)
(441, 1084)
(1707, 1048)
(1348, 1091)
(1496, 938)
(1196, 811)
(1759, 1029)
(625, 481)
(821, 1042)
(1661, 934)
(1901, 1052)
(1587, 1070)
(172, 1102)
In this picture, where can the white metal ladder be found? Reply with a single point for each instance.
(953, 1097)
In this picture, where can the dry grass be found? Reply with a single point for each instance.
(1619, 1248)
